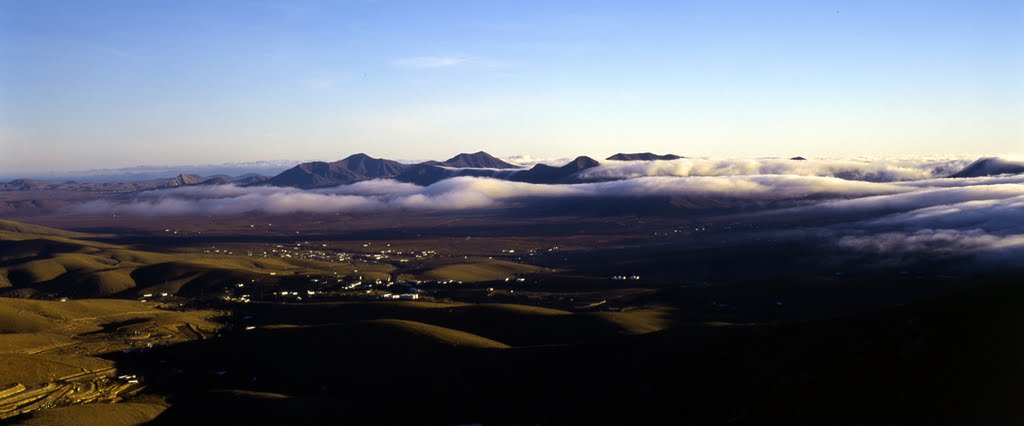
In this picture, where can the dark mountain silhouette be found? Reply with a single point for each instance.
(359, 167)
(543, 173)
(990, 166)
(480, 160)
(353, 168)
(798, 158)
(643, 156)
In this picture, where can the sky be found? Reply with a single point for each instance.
(103, 84)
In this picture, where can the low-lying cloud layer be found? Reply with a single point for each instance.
(925, 214)
(871, 171)
(961, 216)
(941, 241)
(474, 193)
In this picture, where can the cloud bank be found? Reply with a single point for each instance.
(890, 215)
(871, 171)
(982, 220)
(430, 61)
(936, 241)
(472, 193)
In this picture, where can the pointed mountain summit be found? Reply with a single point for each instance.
(182, 180)
(643, 156)
(477, 160)
(580, 164)
(369, 167)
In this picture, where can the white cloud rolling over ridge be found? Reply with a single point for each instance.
(872, 171)
(941, 241)
(472, 193)
(908, 210)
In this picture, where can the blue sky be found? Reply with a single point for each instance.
(116, 83)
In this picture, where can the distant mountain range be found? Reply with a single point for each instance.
(354, 168)
(149, 173)
(140, 185)
(361, 167)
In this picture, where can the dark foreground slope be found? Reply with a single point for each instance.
(951, 360)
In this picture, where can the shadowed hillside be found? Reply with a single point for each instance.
(939, 361)
(49, 357)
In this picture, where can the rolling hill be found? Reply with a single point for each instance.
(51, 356)
(42, 262)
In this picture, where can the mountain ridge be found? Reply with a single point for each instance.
(351, 169)
(476, 160)
(360, 167)
(642, 156)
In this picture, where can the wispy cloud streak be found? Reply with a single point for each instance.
(431, 61)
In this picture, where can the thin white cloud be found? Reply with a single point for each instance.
(316, 83)
(431, 61)
(528, 161)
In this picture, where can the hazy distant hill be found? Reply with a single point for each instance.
(24, 185)
(990, 166)
(129, 186)
(353, 168)
(643, 156)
